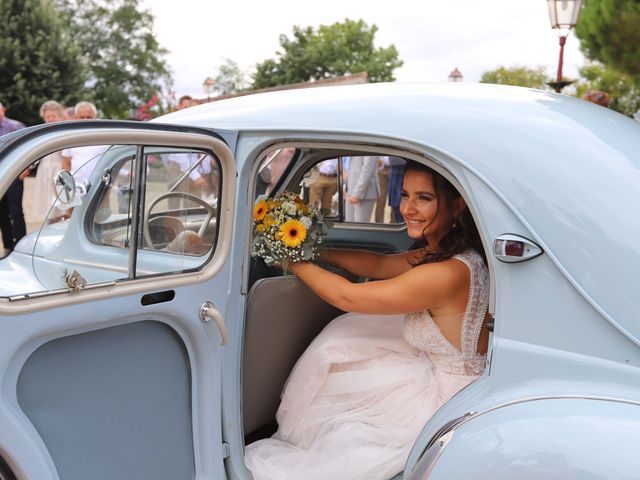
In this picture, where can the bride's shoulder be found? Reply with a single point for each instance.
(455, 270)
(452, 270)
(471, 258)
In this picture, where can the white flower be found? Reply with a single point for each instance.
(306, 221)
(290, 208)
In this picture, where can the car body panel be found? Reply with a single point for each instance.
(549, 438)
(512, 138)
(527, 162)
(102, 331)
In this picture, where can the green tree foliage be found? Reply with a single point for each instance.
(230, 78)
(124, 61)
(518, 76)
(38, 59)
(609, 33)
(330, 50)
(623, 89)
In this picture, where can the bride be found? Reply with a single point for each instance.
(361, 393)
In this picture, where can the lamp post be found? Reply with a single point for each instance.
(208, 85)
(456, 75)
(563, 15)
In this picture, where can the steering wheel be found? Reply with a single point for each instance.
(211, 211)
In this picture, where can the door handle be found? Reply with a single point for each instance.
(208, 312)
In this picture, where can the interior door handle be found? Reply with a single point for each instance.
(209, 312)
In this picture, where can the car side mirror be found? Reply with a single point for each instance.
(65, 187)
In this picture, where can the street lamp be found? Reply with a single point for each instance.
(208, 85)
(563, 15)
(455, 75)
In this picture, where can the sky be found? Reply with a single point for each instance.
(432, 36)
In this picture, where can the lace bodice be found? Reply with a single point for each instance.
(421, 331)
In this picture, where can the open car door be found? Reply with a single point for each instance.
(112, 309)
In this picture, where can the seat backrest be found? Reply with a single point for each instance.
(283, 316)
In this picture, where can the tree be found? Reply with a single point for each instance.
(38, 59)
(623, 89)
(328, 51)
(124, 61)
(230, 78)
(518, 76)
(608, 32)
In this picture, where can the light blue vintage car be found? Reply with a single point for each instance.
(139, 339)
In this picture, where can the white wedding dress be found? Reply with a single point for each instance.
(361, 393)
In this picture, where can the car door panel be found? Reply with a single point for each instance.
(113, 390)
(100, 383)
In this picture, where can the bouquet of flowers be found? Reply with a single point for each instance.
(286, 229)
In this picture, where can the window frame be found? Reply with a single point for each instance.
(37, 142)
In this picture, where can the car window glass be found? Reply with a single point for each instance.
(111, 221)
(62, 251)
(80, 226)
(357, 188)
(272, 168)
(180, 213)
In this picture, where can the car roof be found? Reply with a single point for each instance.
(568, 168)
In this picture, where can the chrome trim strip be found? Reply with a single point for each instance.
(136, 205)
(27, 296)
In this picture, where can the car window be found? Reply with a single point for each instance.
(180, 213)
(357, 189)
(272, 168)
(82, 231)
(62, 250)
(111, 220)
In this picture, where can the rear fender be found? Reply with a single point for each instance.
(550, 438)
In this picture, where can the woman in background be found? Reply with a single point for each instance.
(44, 192)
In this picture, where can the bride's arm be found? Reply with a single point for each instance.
(420, 288)
(377, 266)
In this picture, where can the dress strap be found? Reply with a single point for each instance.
(477, 303)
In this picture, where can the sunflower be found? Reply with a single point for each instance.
(292, 233)
(260, 210)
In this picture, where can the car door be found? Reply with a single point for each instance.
(112, 310)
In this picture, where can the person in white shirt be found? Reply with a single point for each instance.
(81, 161)
(325, 186)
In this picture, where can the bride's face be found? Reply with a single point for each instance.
(419, 207)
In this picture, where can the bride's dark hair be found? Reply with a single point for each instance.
(462, 235)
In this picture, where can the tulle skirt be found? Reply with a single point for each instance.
(353, 405)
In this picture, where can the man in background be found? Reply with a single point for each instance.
(321, 191)
(363, 188)
(598, 97)
(11, 215)
(82, 160)
(185, 101)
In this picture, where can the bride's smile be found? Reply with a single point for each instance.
(419, 206)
